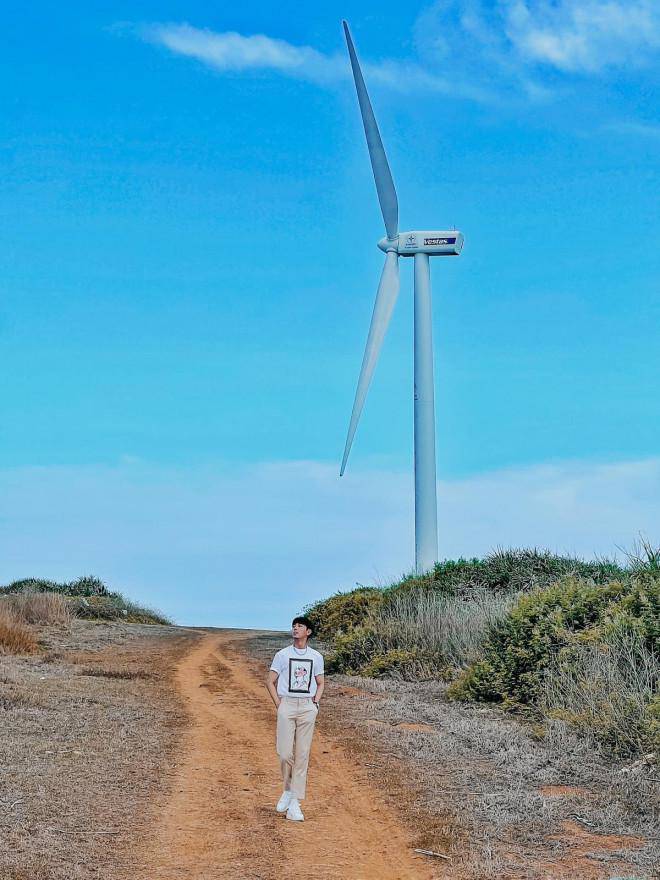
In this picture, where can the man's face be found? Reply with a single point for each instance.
(300, 631)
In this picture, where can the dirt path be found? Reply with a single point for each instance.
(220, 820)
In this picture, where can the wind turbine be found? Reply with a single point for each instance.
(420, 245)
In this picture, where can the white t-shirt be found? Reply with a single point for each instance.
(297, 669)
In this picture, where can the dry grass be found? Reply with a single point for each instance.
(125, 674)
(15, 637)
(85, 754)
(46, 609)
(453, 627)
(606, 691)
(20, 611)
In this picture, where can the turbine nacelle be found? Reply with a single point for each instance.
(441, 243)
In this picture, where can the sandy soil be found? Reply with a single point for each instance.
(220, 821)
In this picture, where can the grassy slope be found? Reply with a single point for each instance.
(88, 598)
(554, 636)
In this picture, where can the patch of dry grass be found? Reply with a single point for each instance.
(418, 634)
(125, 674)
(450, 626)
(606, 692)
(15, 637)
(82, 756)
(19, 612)
(45, 609)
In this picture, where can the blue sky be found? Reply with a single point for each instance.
(189, 265)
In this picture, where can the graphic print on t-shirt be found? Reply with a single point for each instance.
(300, 675)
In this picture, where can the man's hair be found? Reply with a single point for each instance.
(305, 622)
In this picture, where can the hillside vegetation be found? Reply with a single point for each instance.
(544, 635)
(32, 602)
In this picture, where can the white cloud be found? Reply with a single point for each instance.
(583, 36)
(488, 51)
(232, 52)
(249, 546)
(567, 36)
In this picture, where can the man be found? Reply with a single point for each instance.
(295, 683)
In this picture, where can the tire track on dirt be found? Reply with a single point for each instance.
(220, 822)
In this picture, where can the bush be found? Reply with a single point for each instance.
(352, 651)
(504, 572)
(543, 625)
(638, 611)
(522, 645)
(652, 723)
(509, 571)
(396, 663)
(114, 607)
(361, 652)
(87, 585)
(342, 612)
(505, 626)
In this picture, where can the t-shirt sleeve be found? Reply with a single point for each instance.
(276, 665)
(318, 666)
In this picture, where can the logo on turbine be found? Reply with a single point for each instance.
(438, 241)
(411, 241)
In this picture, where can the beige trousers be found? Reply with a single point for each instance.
(296, 717)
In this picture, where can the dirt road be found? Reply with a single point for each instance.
(220, 821)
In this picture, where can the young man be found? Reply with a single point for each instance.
(295, 683)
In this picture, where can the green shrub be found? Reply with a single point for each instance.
(638, 611)
(114, 607)
(343, 612)
(396, 660)
(480, 682)
(408, 665)
(505, 571)
(521, 646)
(87, 585)
(651, 725)
(512, 570)
(522, 621)
(351, 651)
(32, 585)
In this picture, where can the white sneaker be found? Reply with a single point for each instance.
(294, 812)
(284, 801)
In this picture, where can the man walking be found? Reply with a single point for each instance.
(295, 683)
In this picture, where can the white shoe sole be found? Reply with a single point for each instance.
(293, 818)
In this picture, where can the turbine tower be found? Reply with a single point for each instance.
(420, 245)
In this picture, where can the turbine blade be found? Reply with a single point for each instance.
(388, 290)
(389, 204)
